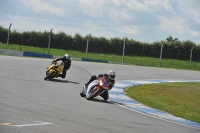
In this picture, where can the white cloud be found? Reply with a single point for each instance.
(146, 20)
(196, 16)
(93, 8)
(173, 24)
(115, 14)
(158, 5)
(136, 5)
(39, 6)
(23, 24)
(88, 24)
(131, 29)
(194, 33)
(118, 2)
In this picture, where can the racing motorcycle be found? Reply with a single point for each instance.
(54, 70)
(95, 88)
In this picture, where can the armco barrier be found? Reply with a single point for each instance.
(37, 55)
(72, 58)
(92, 60)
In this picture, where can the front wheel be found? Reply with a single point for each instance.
(81, 94)
(49, 75)
(93, 93)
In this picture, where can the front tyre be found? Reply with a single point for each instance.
(82, 94)
(49, 75)
(93, 93)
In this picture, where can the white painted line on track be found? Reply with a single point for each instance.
(35, 124)
(5, 123)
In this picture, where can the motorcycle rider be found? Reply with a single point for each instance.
(67, 63)
(110, 76)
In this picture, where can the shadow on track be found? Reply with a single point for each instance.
(100, 100)
(62, 81)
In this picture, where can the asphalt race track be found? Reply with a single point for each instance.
(29, 104)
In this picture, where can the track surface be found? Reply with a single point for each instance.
(28, 104)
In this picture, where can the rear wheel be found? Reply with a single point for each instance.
(49, 75)
(104, 95)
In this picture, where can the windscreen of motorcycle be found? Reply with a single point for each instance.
(106, 82)
(61, 63)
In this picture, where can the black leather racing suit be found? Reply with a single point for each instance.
(67, 64)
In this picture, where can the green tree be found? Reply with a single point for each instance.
(3, 34)
(171, 41)
(189, 45)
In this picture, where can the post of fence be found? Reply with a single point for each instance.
(161, 55)
(29, 43)
(142, 54)
(123, 51)
(49, 40)
(88, 37)
(29, 39)
(191, 57)
(8, 35)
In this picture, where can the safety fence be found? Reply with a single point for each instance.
(161, 57)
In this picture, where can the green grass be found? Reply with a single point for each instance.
(133, 60)
(179, 99)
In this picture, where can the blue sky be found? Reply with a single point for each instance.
(141, 20)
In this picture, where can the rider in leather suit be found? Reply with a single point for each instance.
(67, 61)
(111, 77)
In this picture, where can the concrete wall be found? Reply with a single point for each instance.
(11, 52)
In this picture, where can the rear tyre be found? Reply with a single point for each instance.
(49, 75)
(105, 95)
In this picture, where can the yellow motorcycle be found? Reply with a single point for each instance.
(54, 70)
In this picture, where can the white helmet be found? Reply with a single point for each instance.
(67, 56)
(111, 74)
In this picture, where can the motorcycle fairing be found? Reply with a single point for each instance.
(90, 86)
(59, 69)
(106, 82)
(56, 68)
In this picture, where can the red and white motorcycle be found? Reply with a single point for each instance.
(96, 88)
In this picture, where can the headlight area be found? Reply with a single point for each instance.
(100, 83)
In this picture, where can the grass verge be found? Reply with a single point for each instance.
(180, 99)
(134, 60)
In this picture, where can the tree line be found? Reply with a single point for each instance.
(103, 45)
